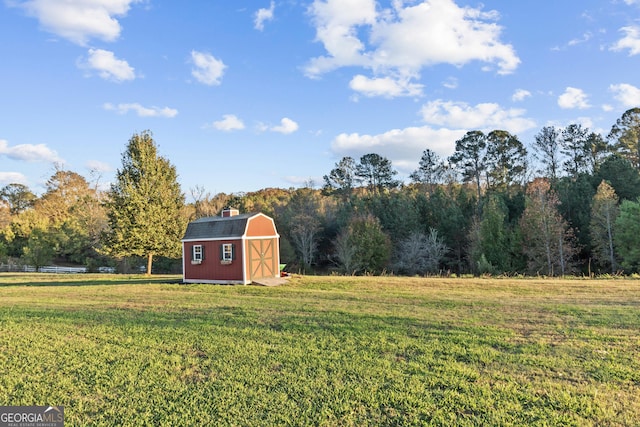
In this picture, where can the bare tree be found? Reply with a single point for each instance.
(206, 205)
(420, 253)
(345, 253)
(304, 234)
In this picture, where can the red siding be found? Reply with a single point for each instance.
(211, 267)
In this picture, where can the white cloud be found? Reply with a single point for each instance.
(98, 166)
(586, 122)
(403, 147)
(585, 38)
(7, 178)
(29, 152)
(439, 31)
(286, 126)
(229, 123)
(108, 66)
(485, 116)
(263, 15)
(142, 111)
(304, 181)
(520, 95)
(384, 86)
(573, 98)
(626, 94)
(80, 20)
(452, 120)
(451, 83)
(405, 39)
(208, 70)
(337, 23)
(630, 41)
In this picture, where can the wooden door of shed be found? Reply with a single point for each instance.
(262, 259)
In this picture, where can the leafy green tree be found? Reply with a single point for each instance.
(3, 251)
(625, 135)
(548, 240)
(396, 211)
(17, 233)
(604, 213)
(627, 235)
(38, 252)
(576, 195)
(621, 175)
(18, 197)
(267, 201)
(5, 220)
(490, 236)
(469, 158)
(76, 216)
(546, 149)
(376, 172)
(145, 204)
(64, 190)
(372, 245)
(450, 211)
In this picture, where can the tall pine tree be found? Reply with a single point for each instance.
(145, 204)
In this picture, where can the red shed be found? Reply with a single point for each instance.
(232, 248)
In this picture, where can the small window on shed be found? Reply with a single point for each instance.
(197, 254)
(226, 253)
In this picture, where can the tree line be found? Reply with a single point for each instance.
(569, 203)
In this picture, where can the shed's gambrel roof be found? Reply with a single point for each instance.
(216, 227)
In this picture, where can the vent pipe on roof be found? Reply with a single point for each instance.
(226, 212)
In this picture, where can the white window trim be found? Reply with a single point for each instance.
(227, 252)
(196, 254)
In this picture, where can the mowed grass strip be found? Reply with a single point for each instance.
(128, 350)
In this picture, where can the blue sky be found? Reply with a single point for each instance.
(244, 95)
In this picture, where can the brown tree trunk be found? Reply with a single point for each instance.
(149, 262)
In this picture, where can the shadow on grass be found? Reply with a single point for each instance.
(47, 279)
(265, 323)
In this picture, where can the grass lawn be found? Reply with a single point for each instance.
(356, 351)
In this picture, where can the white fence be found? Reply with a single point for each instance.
(52, 269)
(67, 270)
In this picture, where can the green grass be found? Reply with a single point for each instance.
(357, 351)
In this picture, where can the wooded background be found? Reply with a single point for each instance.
(566, 203)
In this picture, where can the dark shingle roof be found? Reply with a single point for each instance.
(217, 227)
